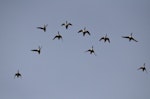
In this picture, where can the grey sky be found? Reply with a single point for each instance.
(64, 70)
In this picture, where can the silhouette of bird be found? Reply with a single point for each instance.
(66, 24)
(37, 50)
(43, 28)
(130, 37)
(58, 36)
(17, 75)
(84, 31)
(143, 68)
(91, 51)
(105, 38)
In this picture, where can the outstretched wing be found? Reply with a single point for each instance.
(54, 37)
(89, 50)
(134, 40)
(125, 36)
(140, 68)
(70, 24)
(63, 24)
(80, 31)
(20, 75)
(35, 50)
(102, 38)
(88, 32)
(108, 40)
(40, 27)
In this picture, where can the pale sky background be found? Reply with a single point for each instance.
(63, 70)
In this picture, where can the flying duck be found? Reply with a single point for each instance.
(43, 28)
(58, 36)
(17, 75)
(37, 50)
(130, 37)
(66, 24)
(84, 31)
(143, 68)
(105, 38)
(91, 50)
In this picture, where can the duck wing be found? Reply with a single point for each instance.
(40, 27)
(134, 40)
(108, 40)
(70, 24)
(125, 36)
(63, 24)
(88, 32)
(55, 37)
(80, 31)
(34, 50)
(102, 38)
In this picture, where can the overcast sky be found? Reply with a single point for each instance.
(64, 70)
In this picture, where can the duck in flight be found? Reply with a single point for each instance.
(66, 24)
(17, 75)
(130, 37)
(37, 50)
(105, 38)
(91, 51)
(58, 36)
(43, 28)
(84, 31)
(143, 68)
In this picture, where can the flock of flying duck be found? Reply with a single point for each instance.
(84, 31)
